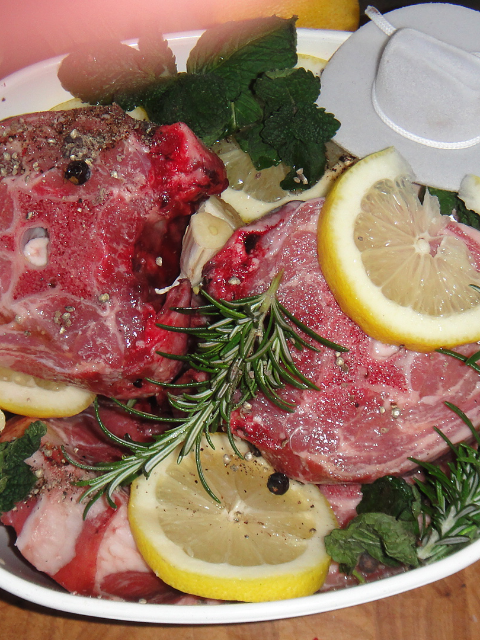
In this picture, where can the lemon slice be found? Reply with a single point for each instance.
(469, 192)
(28, 396)
(254, 546)
(138, 113)
(311, 63)
(390, 263)
(254, 193)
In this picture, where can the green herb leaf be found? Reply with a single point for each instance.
(16, 477)
(158, 60)
(383, 537)
(262, 155)
(113, 72)
(299, 133)
(289, 86)
(389, 495)
(246, 111)
(240, 51)
(451, 204)
(198, 100)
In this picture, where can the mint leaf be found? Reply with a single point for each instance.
(299, 133)
(16, 477)
(451, 204)
(389, 495)
(293, 86)
(198, 100)
(383, 537)
(263, 155)
(240, 51)
(113, 72)
(158, 60)
(245, 111)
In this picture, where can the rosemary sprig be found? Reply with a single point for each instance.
(470, 361)
(453, 499)
(244, 349)
(400, 523)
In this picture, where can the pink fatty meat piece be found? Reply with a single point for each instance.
(95, 556)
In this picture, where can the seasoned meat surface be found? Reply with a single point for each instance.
(93, 207)
(377, 404)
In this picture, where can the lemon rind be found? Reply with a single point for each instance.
(36, 402)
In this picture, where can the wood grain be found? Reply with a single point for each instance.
(447, 610)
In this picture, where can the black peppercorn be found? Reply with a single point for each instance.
(77, 172)
(278, 483)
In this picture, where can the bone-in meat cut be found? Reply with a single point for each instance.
(377, 404)
(93, 207)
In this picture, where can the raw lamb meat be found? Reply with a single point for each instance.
(97, 557)
(93, 207)
(92, 557)
(377, 404)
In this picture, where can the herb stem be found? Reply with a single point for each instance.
(245, 349)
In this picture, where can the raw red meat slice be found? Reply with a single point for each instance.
(96, 556)
(377, 404)
(93, 207)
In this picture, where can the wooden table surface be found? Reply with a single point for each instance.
(31, 30)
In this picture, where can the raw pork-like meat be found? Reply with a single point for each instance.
(93, 207)
(92, 557)
(377, 404)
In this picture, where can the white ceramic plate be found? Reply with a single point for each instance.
(37, 88)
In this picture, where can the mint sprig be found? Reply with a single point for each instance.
(240, 51)
(239, 82)
(451, 204)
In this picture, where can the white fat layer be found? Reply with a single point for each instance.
(382, 351)
(118, 551)
(36, 251)
(50, 533)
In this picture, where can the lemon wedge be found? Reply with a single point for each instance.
(390, 263)
(254, 546)
(29, 396)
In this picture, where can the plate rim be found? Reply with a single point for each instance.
(241, 612)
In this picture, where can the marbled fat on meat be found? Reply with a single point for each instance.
(377, 404)
(79, 263)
